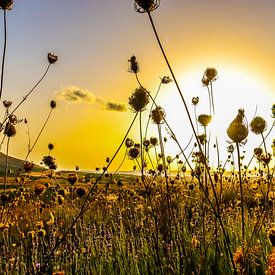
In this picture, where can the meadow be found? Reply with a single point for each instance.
(169, 215)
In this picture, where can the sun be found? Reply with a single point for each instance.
(233, 90)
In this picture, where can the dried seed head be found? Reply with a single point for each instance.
(134, 67)
(154, 141)
(53, 104)
(273, 111)
(50, 146)
(52, 58)
(10, 130)
(166, 80)
(238, 130)
(258, 125)
(28, 166)
(7, 103)
(205, 81)
(211, 74)
(80, 192)
(6, 4)
(195, 100)
(158, 115)
(143, 6)
(129, 143)
(204, 119)
(133, 153)
(72, 178)
(139, 100)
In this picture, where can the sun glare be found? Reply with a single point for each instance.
(234, 89)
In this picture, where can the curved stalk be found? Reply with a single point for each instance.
(4, 53)
(6, 166)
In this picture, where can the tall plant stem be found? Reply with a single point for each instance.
(38, 136)
(163, 158)
(6, 165)
(194, 131)
(141, 148)
(212, 97)
(4, 53)
(209, 99)
(241, 192)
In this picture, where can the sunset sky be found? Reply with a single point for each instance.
(91, 83)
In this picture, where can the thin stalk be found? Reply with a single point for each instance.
(4, 53)
(6, 165)
(209, 99)
(163, 157)
(241, 192)
(141, 148)
(212, 97)
(37, 138)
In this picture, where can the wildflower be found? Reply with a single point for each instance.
(211, 74)
(28, 166)
(258, 151)
(6, 4)
(238, 257)
(129, 142)
(72, 178)
(204, 119)
(139, 99)
(195, 100)
(7, 104)
(205, 81)
(31, 234)
(195, 242)
(52, 58)
(80, 192)
(273, 111)
(41, 233)
(146, 143)
(39, 189)
(169, 159)
(154, 141)
(202, 139)
(50, 146)
(134, 67)
(60, 199)
(50, 162)
(238, 130)
(166, 80)
(133, 153)
(143, 6)
(53, 104)
(258, 125)
(271, 235)
(9, 130)
(158, 115)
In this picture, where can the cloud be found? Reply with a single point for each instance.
(113, 106)
(78, 95)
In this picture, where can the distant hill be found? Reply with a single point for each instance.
(14, 164)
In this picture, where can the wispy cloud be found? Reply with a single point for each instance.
(78, 95)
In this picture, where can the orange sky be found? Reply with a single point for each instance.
(94, 42)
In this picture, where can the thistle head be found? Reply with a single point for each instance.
(273, 110)
(133, 153)
(52, 58)
(6, 4)
(143, 6)
(129, 142)
(204, 119)
(154, 141)
(166, 80)
(9, 130)
(258, 125)
(72, 178)
(7, 103)
(139, 100)
(158, 115)
(134, 67)
(211, 74)
(195, 100)
(53, 104)
(238, 129)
